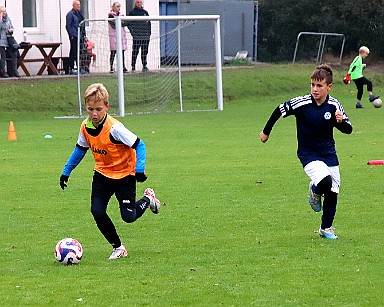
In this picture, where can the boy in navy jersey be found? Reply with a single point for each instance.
(316, 116)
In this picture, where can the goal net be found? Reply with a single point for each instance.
(182, 70)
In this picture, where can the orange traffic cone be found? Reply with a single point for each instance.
(12, 132)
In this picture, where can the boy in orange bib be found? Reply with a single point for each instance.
(120, 158)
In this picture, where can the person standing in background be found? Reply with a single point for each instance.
(6, 30)
(115, 11)
(73, 19)
(141, 32)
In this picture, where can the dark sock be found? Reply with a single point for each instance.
(329, 209)
(116, 245)
(107, 228)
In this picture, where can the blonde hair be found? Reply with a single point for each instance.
(115, 4)
(96, 92)
(364, 49)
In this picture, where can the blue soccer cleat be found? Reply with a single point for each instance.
(372, 98)
(328, 233)
(314, 199)
(359, 105)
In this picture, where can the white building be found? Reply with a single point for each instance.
(44, 20)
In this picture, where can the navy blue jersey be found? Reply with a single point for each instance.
(314, 126)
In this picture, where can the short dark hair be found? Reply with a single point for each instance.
(323, 72)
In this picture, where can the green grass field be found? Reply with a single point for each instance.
(235, 228)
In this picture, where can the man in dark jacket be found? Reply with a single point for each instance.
(73, 19)
(141, 32)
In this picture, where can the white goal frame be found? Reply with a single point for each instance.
(320, 51)
(119, 54)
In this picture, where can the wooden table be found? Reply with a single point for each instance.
(46, 57)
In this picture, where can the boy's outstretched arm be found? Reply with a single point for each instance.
(141, 157)
(264, 135)
(75, 158)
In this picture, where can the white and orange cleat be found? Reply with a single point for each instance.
(154, 203)
(118, 252)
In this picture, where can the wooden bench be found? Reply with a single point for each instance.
(46, 57)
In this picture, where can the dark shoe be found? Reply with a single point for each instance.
(16, 74)
(359, 105)
(4, 75)
(145, 69)
(111, 71)
(372, 98)
(125, 70)
(72, 72)
(133, 69)
(314, 199)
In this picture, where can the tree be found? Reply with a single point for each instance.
(281, 21)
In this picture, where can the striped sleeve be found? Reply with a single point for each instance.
(340, 108)
(289, 107)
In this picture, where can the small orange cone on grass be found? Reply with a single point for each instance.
(12, 132)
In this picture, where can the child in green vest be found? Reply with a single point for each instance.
(355, 73)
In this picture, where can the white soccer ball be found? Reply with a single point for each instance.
(68, 251)
(377, 103)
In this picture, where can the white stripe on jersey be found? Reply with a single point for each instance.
(339, 107)
(294, 103)
(299, 101)
(336, 103)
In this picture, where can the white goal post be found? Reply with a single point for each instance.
(320, 50)
(180, 46)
